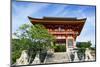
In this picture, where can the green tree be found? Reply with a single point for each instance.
(15, 50)
(82, 47)
(34, 38)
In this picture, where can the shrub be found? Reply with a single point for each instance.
(60, 48)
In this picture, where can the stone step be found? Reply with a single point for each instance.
(58, 57)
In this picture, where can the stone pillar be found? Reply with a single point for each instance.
(23, 60)
(76, 56)
(88, 56)
(36, 59)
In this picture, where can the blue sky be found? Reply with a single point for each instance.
(20, 11)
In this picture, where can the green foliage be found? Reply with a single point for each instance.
(60, 48)
(24, 26)
(16, 51)
(38, 31)
(33, 38)
(83, 45)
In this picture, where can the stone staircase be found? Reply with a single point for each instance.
(58, 57)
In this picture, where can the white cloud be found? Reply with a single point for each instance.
(20, 13)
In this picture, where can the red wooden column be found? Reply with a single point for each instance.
(74, 41)
(74, 36)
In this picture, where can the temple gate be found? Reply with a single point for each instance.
(65, 30)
